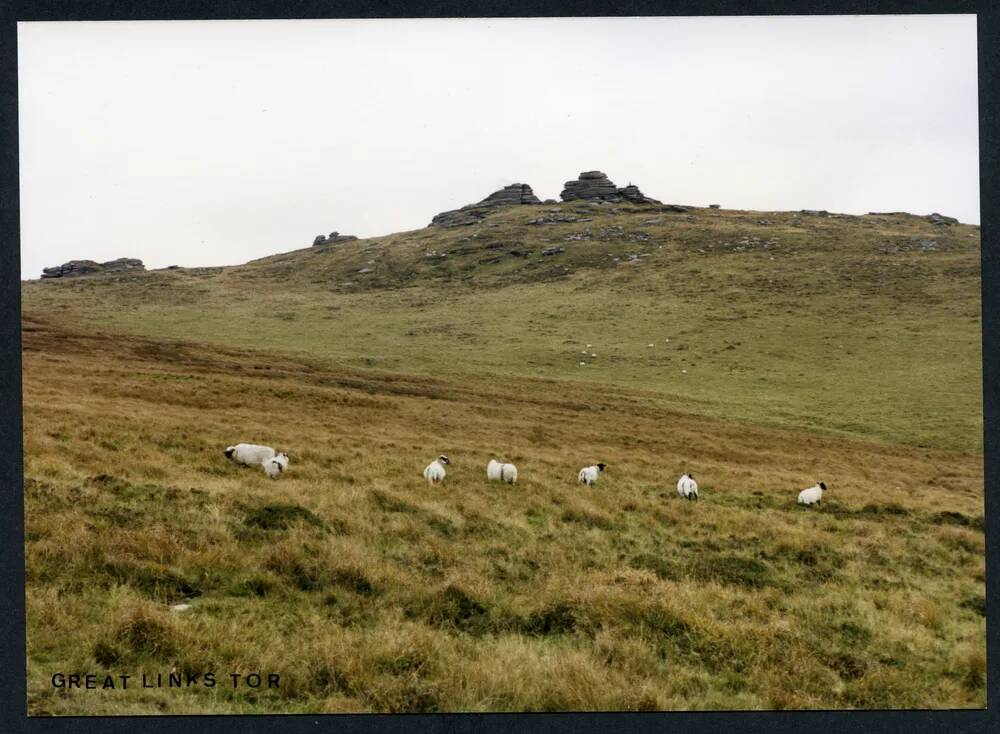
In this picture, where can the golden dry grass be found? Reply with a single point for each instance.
(368, 590)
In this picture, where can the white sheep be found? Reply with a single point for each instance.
(434, 472)
(687, 487)
(813, 495)
(250, 454)
(497, 471)
(588, 474)
(274, 467)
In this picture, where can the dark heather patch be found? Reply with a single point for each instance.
(957, 518)
(280, 517)
(849, 667)
(389, 503)
(153, 579)
(456, 609)
(732, 570)
(556, 619)
(587, 519)
(976, 604)
(662, 567)
(353, 579)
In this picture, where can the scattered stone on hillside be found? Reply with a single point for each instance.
(815, 212)
(333, 238)
(550, 201)
(913, 244)
(513, 195)
(559, 218)
(173, 267)
(552, 251)
(713, 206)
(596, 186)
(367, 270)
(77, 268)
(936, 218)
(889, 214)
(674, 208)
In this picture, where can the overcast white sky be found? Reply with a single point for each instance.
(216, 142)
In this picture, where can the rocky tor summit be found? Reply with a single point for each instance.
(590, 186)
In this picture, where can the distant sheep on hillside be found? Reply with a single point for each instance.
(434, 472)
(687, 487)
(250, 454)
(274, 467)
(813, 495)
(588, 475)
(496, 471)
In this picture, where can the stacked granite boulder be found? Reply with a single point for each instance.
(596, 186)
(77, 268)
(513, 195)
(333, 239)
(632, 193)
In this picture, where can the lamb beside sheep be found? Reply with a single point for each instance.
(813, 495)
(588, 474)
(434, 472)
(687, 487)
(274, 467)
(496, 471)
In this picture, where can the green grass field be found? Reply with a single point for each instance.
(785, 349)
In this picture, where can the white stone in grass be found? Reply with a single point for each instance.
(583, 364)
(180, 607)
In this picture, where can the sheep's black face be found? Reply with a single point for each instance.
(601, 467)
(822, 486)
(444, 459)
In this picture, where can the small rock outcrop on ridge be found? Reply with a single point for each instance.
(596, 186)
(77, 268)
(936, 218)
(333, 239)
(513, 195)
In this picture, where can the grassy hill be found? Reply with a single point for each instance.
(786, 348)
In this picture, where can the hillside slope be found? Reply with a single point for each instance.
(865, 326)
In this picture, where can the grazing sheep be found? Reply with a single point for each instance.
(813, 495)
(687, 487)
(274, 467)
(434, 472)
(496, 470)
(588, 474)
(250, 454)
